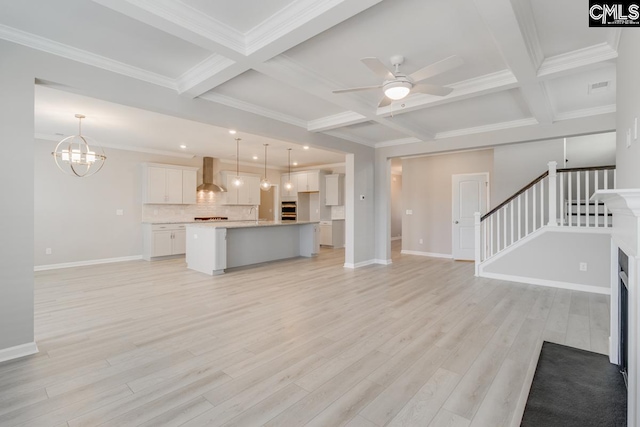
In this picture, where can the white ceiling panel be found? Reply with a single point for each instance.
(121, 126)
(88, 26)
(263, 91)
(561, 31)
(570, 93)
(373, 132)
(423, 32)
(242, 15)
(483, 110)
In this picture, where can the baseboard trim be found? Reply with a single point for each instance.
(548, 283)
(85, 263)
(383, 261)
(396, 238)
(429, 254)
(359, 264)
(18, 351)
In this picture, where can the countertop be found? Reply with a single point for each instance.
(247, 224)
(186, 222)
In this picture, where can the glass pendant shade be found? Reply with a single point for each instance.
(79, 155)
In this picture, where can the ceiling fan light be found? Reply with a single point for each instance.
(397, 90)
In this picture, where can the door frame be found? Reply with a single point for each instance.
(453, 191)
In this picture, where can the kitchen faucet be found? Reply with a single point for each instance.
(257, 214)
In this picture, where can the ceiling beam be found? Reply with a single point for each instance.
(294, 24)
(513, 29)
(294, 74)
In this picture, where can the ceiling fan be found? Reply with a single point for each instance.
(397, 85)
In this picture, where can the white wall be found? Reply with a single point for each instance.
(556, 257)
(517, 165)
(16, 215)
(591, 150)
(427, 191)
(396, 206)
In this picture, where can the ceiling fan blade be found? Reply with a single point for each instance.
(431, 89)
(384, 102)
(357, 89)
(437, 68)
(378, 68)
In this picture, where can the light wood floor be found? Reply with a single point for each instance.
(302, 342)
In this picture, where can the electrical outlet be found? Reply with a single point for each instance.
(119, 212)
(47, 251)
(583, 266)
(420, 241)
(409, 212)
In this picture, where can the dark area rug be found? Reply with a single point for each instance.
(573, 387)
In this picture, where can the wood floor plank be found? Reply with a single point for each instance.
(304, 341)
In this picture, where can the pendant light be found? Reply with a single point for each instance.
(75, 157)
(289, 185)
(237, 180)
(265, 185)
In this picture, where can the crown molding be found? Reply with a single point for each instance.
(614, 38)
(566, 62)
(395, 142)
(285, 21)
(587, 112)
(54, 138)
(49, 46)
(199, 73)
(487, 128)
(187, 17)
(524, 16)
(335, 121)
(252, 108)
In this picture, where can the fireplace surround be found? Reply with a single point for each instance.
(625, 300)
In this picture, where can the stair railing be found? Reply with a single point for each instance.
(558, 197)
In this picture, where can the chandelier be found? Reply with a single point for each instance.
(74, 156)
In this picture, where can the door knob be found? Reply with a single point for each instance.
(455, 222)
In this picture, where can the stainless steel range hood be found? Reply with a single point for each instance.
(207, 177)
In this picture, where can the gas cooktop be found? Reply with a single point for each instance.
(211, 218)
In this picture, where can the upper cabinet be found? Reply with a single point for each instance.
(309, 182)
(247, 194)
(169, 184)
(334, 195)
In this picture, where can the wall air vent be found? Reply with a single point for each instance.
(599, 87)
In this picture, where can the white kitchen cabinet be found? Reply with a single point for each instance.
(169, 184)
(189, 187)
(334, 193)
(309, 182)
(163, 240)
(332, 233)
(247, 194)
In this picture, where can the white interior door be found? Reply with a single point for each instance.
(470, 193)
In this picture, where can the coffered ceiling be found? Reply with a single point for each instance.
(526, 62)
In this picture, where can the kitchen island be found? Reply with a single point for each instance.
(214, 247)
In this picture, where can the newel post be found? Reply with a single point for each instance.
(553, 214)
(478, 245)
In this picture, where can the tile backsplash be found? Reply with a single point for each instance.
(337, 212)
(208, 204)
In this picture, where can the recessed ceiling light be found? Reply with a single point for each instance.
(295, 163)
(232, 132)
(255, 157)
(183, 146)
(306, 147)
